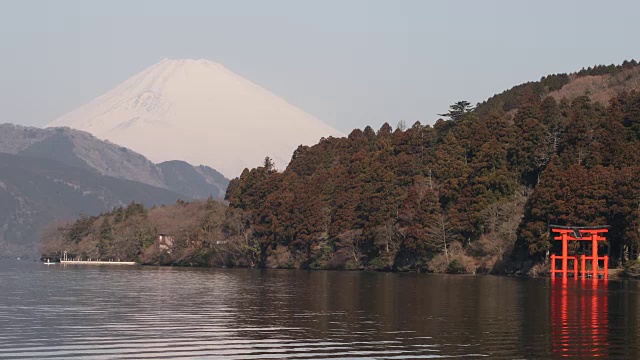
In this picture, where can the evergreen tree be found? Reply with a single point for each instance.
(105, 238)
(458, 110)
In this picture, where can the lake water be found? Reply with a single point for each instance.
(57, 312)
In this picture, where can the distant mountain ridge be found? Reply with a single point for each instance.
(200, 112)
(59, 173)
(193, 181)
(36, 191)
(81, 149)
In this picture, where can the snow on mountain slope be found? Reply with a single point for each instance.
(200, 112)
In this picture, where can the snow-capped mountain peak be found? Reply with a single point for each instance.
(201, 112)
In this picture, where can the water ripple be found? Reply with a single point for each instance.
(161, 313)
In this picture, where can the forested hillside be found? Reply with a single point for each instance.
(472, 193)
(200, 233)
(475, 192)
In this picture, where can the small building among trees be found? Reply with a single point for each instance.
(165, 242)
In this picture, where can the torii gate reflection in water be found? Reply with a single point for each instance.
(587, 233)
(579, 318)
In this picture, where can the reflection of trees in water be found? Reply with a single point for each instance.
(454, 314)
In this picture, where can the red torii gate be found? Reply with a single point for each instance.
(584, 233)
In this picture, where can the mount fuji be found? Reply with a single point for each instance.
(200, 112)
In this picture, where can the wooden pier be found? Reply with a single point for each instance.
(96, 262)
(64, 260)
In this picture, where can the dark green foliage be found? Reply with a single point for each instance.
(554, 82)
(119, 214)
(458, 110)
(80, 228)
(632, 269)
(455, 267)
(134, 209)
(105, 238)
(606, 69)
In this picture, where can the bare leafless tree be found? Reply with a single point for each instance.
(440, 234)
(350, 240)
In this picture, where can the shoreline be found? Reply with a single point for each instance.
(614, 274)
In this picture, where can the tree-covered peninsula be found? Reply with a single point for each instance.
(474, 192)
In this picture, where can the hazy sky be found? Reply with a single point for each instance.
(350, 63)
